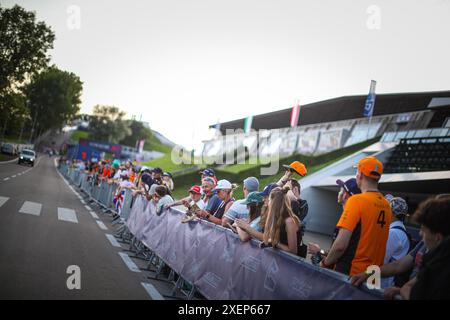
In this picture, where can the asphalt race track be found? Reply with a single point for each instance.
(46, 227)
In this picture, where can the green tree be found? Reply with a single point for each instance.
(138, 132)
(108, 124)
(53, 97)
(14, 112)
(24, 43)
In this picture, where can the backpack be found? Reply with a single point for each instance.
(411, 241)
(401, 279)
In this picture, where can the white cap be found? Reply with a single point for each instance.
(223, 184)
(144, 168)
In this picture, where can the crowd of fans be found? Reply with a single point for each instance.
(370, 231)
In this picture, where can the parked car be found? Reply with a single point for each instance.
(9, 149)
(27, 156)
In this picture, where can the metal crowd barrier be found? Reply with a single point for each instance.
(212, 260)
(216, 263)
(102, 194)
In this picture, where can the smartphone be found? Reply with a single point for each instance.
(232, 228)
(193, 207)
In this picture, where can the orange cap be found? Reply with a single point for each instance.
(370, 167)
(298, 167)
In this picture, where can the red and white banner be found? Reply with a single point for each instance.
(295, 113)
(141, 146)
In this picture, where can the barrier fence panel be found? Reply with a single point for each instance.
(138, 216)
(95, 191)
(78, 178)
(72, 175)
(126, 207)
(222, 267)
(87, 184)
(218, 263)
(111, 191)
(103, 194)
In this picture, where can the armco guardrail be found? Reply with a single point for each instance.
(217, 263)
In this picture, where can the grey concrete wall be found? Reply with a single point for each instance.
(324, 211)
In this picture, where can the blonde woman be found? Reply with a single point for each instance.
(167, 180)
(282, 225)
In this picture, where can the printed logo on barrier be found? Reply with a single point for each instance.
(196, 242)
(212, 279)
(212, 240)
(301, 288)
(172, 256)
(270, 282)
(250, 263)
(229, 252)
(226, 292)
(195, 268)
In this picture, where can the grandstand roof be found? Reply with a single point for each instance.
(342, 108)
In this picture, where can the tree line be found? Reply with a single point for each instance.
(34, 96)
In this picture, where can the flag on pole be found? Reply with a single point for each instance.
(370, 101)
(248, 124)
(141, 146)
(216, 126)
(295, 114)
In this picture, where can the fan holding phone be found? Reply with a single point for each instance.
(193, 203)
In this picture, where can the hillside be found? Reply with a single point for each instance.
(237, 173)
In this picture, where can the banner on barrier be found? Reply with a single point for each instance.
(221, 266)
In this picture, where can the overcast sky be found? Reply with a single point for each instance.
(186, 64)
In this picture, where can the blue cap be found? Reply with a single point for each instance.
(158, 170)
(251, 184)
(147, 179)
(350, 186)
(268, 189)
(208, 172)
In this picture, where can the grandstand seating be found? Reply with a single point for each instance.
(308, 140)
(420, 155)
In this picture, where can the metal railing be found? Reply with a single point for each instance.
(157, 261)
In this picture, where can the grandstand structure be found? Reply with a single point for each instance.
(414, 145)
